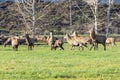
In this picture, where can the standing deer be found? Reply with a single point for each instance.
(84, 40)
(97, 39)
(54, 42)
(58, 43)
(50, 40)
(29, 41)
(73, 42)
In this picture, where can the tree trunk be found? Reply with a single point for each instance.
(96, 16)
(34, 18)
(108, 18)
(70, 13)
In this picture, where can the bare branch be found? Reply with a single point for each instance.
(26, 8)
(39, 17)
(23, 15)
(84, 13)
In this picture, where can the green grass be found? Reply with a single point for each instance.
(44, 64)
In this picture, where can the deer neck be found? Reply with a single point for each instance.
(28, 39)
(68, 38)
(92, 35)
(51, 36)
(76, 36)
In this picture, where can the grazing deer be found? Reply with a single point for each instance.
(97, 39)
(14, 42)
(73, 42)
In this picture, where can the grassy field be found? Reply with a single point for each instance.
(44, 64)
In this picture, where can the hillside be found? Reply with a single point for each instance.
(57, 18)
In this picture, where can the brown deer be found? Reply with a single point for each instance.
(110, 40)
(54, 42)
(50, 40)
(72, 42)
(58, 43)
(97, 39)
(14, 42)
(81, 39)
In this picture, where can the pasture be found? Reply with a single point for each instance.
(43, 64)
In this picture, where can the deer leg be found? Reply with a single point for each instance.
(33, 46)
(91, 47)
(17, 48)
(51, 48)
(28, 47)
(86, 46)
(104, 46)
(55, 48)
(112, 44)
(82, 48)
(96, 46)
(61, 47)
(115, 44)
(13, 48)
(72, 47)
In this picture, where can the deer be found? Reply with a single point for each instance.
(84, 40)
(54, 42)
(73, 42)
(14, 43)
(58, 43)
(29, 41)
(110, 40)
(97, 39)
